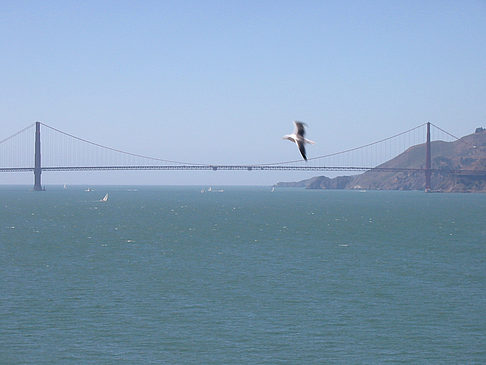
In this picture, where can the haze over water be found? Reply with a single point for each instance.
(171, 275)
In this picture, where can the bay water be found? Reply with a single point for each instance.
(174, 275)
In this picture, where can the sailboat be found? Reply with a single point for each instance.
(105, 198)
(211, 190)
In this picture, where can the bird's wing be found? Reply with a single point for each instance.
(301, 146)
(299, 128)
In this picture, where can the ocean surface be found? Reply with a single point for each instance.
(170, 275)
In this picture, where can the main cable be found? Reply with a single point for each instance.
(119, 151)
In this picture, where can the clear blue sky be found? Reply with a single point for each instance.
(221, 81)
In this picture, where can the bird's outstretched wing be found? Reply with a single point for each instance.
(299, 128)
(301, 146)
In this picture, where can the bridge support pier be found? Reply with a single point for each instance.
(427, 161)
(37, 159)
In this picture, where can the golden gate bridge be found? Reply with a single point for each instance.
(61, 151)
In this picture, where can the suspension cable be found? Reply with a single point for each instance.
(199, 164)
(451, 135)
(439, 128)
(119, 151)
(16, 134)
(348, 150)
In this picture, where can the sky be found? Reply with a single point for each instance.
(220, 82)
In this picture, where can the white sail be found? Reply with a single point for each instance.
(105, 198)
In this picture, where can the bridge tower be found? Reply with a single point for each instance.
(37, 159)
(427, 161)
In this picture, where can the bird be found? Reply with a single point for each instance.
(298, 138)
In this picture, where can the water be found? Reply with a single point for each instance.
(170, 275)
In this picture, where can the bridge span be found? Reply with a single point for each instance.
(80, 160)
(241, 168)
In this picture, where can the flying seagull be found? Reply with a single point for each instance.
(298, 137)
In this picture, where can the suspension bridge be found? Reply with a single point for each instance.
(25, 151)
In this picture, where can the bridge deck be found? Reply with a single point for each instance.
(244, 167)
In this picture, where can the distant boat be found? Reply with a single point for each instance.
(211, 190)
(273, 189)
(65, 186)
(89, 189)
(105, 198)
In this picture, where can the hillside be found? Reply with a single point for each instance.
(467, 153)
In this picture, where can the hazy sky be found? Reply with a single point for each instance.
(221, 81)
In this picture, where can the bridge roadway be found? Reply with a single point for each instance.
(243, 167)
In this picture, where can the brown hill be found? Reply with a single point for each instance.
(467, 153)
